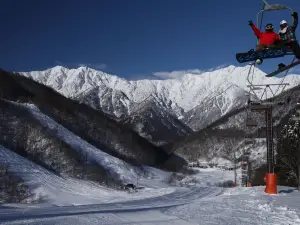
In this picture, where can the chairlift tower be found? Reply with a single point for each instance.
(263, 104)
(245, 169)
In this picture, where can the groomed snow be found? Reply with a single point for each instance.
(243, 206)
(211, 177)
(205, 205)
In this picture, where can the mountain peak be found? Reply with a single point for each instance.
(217, 91)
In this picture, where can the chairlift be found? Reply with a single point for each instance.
(259, 56)
(274, 7)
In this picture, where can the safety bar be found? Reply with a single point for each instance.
(272, 8)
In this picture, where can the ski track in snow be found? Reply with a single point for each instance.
(198, 204)
(126, 212)
(207, 206)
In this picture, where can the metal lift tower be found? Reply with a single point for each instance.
(266, 107)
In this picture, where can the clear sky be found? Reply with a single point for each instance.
(131, 38)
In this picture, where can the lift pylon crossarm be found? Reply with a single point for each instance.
(253, 88)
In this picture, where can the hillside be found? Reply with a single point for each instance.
(89, 124)
(230, 134)
(67, 139)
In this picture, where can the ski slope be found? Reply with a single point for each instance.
(197, 205)
(239, 206)
(75, 202)
(30, 215)
(60, 191)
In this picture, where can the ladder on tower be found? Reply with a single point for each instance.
(245, 169)
(270, 141)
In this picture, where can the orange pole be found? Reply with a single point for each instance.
(271, 187)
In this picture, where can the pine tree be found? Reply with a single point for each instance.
(288, 158)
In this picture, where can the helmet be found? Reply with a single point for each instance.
(269, 26)
(283, 22)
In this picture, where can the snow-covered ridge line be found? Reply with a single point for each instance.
(215, 93)
(186, 92)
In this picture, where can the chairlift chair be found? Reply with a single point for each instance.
(271, 52)
(274, 7)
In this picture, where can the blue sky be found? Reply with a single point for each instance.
(131, 38)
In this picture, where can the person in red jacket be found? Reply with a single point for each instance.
(266, 39)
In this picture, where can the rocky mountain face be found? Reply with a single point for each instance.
(193, 101)
(156, 123)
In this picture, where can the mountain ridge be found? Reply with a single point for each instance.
(196, 100)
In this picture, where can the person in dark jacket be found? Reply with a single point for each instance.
(288, 34)
(266, 39)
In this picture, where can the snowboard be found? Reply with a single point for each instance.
(283, 69)
(262, 54)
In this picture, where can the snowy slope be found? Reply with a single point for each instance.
(63, 190)
(241, 206)
(116, 167)
(198, 205)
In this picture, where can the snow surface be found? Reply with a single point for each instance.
(215, 160)
(67, 191)
(207, 206)
(211, 177)
(199, 204)
(243, 206)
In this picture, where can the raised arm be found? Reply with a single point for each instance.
(295, 20)
(257, 32)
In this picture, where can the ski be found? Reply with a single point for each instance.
(283, 69)
(263, 54)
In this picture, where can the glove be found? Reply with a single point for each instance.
(295, 14)
(250, 23)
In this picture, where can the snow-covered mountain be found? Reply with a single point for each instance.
(195, 99)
